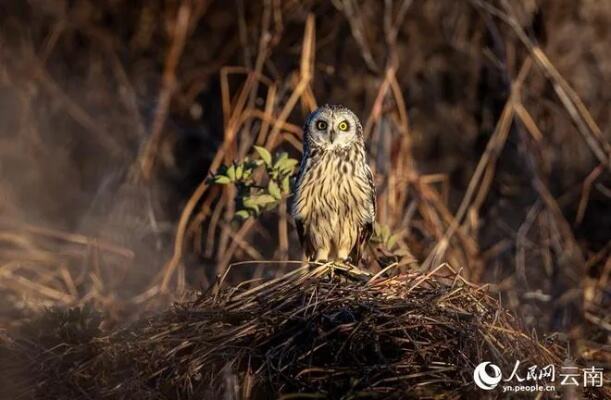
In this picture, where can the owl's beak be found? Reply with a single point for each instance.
(332, 135)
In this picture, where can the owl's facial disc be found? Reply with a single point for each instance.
(333, 129)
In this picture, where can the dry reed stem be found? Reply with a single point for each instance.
(234, 119)
(179, 37)
(487, 161)
(573, 104)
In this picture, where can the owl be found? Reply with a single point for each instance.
(334, 203)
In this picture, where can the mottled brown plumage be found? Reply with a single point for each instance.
(334, 194)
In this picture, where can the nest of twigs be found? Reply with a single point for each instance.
(309, 334)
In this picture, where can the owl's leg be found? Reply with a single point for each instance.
(345, 247)
(322, 254)
(343, 253)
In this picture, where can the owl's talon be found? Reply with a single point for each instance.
(348, 261)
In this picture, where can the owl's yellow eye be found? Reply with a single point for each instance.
(343, 126)
(321, 125)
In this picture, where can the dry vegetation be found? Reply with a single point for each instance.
(305, 333)
(487, 123)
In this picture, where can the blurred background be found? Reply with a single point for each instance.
(487, 124)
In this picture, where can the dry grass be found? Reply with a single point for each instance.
(308, 334)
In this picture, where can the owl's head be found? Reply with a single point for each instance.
(332, 127)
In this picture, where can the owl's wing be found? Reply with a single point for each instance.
(301, 229)
(304, 239)
(372, 185)
(367, 228)
(301, 232)
(369, 224)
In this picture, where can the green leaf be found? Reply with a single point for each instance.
(221, 180)
(264, 154)
(274, 190)
(239, 171)
(281, 157)
(248, 168)
(385, 232)
(392, 240)
(264, 199)
(261, 200)
(286, 184)
(285, 164)
(243, 214)
(231, 173)
(251, 203)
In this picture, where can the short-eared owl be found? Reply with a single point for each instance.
(334, 195)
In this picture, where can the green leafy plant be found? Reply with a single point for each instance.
(383, 235)
(258, 192)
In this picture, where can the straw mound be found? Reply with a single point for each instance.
(314, 333)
